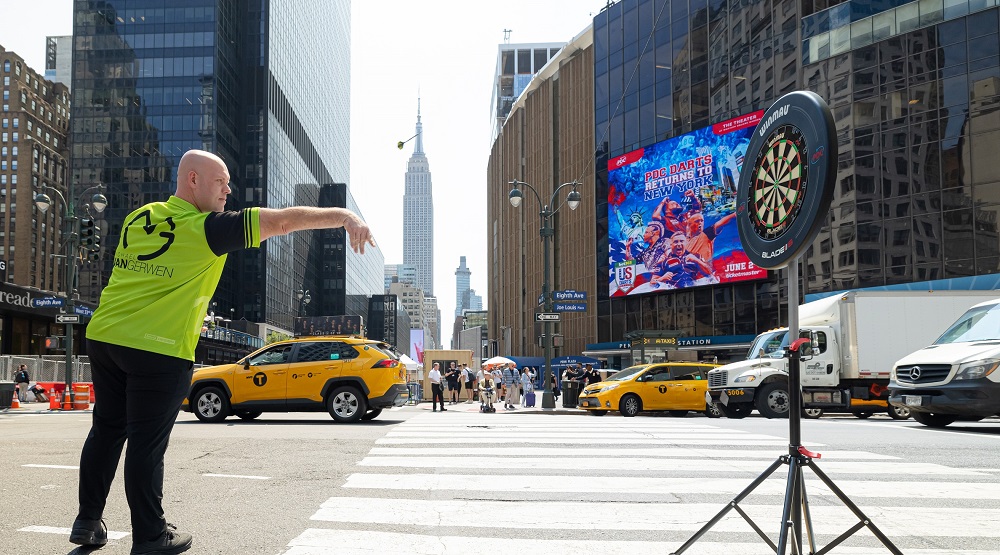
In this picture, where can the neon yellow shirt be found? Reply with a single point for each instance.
(167, 266)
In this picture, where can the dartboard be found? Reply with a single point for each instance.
(783, 199)
(780, 176)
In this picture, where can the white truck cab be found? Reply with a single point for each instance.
(955, 378)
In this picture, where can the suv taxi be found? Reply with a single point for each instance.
(677, 387)
(351, 378)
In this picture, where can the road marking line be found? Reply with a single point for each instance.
(659, 464)
(666, 452)
(57, 466)
(586, 441)
(564, 515)
(618, 485)
(112, 535)
(322, 542)
(244, 477)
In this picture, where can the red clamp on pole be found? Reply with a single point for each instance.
(797, 343)
(805, 452)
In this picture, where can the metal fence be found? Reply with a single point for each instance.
(46, 368)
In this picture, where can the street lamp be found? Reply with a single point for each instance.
(546, 232)
(98, 203)
(304, 298)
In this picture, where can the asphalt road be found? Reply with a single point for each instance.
(251, 487)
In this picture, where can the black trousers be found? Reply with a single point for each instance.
(138, 395)
(437, 395)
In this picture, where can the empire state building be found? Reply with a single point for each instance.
(418, 215)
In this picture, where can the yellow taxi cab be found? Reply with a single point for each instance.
(677, 387)
(351, 378)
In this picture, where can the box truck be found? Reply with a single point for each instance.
(956, 377)
(856, 337)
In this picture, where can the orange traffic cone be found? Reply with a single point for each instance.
(54, 401)
(16, 403)
(67, 401)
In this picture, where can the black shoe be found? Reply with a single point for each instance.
(89, 532)
(434, 410)
(170, 542)
(443, 409)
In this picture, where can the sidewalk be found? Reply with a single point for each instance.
(40, 408)
(462, 406)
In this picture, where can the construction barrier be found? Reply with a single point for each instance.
(81, 396)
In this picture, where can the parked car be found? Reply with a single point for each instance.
(677, 387)
(351, 378)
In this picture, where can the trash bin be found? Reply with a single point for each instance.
(6, 394)
(570, 393)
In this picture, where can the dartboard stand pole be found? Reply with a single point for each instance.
(795, 511)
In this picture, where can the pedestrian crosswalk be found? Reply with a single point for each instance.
(564, 483)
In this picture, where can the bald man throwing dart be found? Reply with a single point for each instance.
(142, 337)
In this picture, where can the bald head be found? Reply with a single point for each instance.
(203, 180)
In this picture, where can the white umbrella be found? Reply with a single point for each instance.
(497, 360)
(408, 362)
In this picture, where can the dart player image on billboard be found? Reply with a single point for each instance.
(672, 209)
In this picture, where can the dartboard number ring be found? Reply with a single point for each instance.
(779, 182)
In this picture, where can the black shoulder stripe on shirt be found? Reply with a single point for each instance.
(226, 232)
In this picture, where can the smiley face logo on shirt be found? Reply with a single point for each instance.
(149, 227)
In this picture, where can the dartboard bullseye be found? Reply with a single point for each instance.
(783, 199)
(779, 182)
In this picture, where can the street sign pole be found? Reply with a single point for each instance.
(72, 248)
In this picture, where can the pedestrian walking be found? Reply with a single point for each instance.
(437, 393)
(511, 381)
(527, 387)
(470, 381)
(21, 381)
(451, 377)
(142, 337)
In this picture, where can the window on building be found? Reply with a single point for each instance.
(6, 66)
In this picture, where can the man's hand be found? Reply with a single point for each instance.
(359, 233)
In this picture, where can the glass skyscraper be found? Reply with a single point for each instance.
(250, 80)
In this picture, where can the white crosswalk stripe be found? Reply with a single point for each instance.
(561, 484)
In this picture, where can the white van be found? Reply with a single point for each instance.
(955, 378)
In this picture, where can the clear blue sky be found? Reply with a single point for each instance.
(446, 50)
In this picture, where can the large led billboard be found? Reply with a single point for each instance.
(672, 210)
(417, 345)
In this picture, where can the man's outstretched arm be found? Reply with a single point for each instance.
(282, 221)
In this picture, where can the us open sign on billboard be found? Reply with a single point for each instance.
(671, 211)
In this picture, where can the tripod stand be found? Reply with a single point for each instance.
(795, 512)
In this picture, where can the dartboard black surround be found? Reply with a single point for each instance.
(784, 197)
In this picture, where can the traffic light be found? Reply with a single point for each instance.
(88, 234)
(55, 343)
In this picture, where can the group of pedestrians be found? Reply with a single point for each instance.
(507, 381)
(585, 375)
